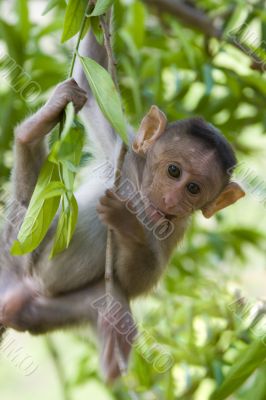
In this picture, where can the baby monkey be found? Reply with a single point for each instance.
(170, 171)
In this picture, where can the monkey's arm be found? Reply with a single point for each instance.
(102, 134)
(30, 149)
(138, 266)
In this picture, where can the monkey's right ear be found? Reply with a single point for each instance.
(151, 128)
(231, 193)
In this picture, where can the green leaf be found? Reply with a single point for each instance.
(50, 5)
(66, 226)
(23, 19)
(70, 115)
(67, 153)
(86, 28)
(104, 90)
(71, 145)
(97, 31)
(14, 42)
(101, 7)
(40, 214)
(235, 19)
(170, 387)
(136, 26)
(208, 79)
(248, 362)
(258, 389)
(73, 19)
(263, 35)
(49, 173)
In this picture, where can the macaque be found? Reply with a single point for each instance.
(170, 171)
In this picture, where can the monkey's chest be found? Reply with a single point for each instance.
(83, 262)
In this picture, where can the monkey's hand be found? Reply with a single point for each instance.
(118, 331)
(41, 123)
(64, 93)
(113, 212)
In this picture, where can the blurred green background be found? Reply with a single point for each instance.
(186, 68)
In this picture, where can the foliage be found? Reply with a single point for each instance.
(162, 61)
(55, 185)
(104, 89)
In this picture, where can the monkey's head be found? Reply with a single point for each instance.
(188, 166)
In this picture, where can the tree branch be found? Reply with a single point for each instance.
(109, 263)
(105, 25)
(191, 16)
(197, 19)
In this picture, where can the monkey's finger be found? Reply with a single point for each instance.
(79, 107)
(105, 216)
(111, 203)
(111, 200)
(79, 91)
(102, 209)
(79, 101)
(74, 85)
(111, 194)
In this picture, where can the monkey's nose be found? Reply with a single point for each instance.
(170, 200)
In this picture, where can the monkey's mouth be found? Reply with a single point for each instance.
(170, 217)
(156, 215)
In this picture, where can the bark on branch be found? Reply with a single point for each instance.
(191, 16)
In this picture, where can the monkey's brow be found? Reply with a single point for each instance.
(190, 161)
(203, 175)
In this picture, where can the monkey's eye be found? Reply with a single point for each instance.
(174, 171)
(193, 188)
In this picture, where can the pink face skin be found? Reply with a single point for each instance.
(180, 176)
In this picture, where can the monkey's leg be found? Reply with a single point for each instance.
(25, 310)
(30, 150)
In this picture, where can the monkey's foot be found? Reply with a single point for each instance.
(118, 332)
(15, 302)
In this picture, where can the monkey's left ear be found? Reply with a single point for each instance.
(151, 128)
(228, 196)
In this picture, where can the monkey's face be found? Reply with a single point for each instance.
(186, 166)
(181, 176)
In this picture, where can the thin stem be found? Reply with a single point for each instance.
(82, 27)
(86, 16)
(108, 47)
(109, 264)
(110, 240)
(105, 25)
(58, 366)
